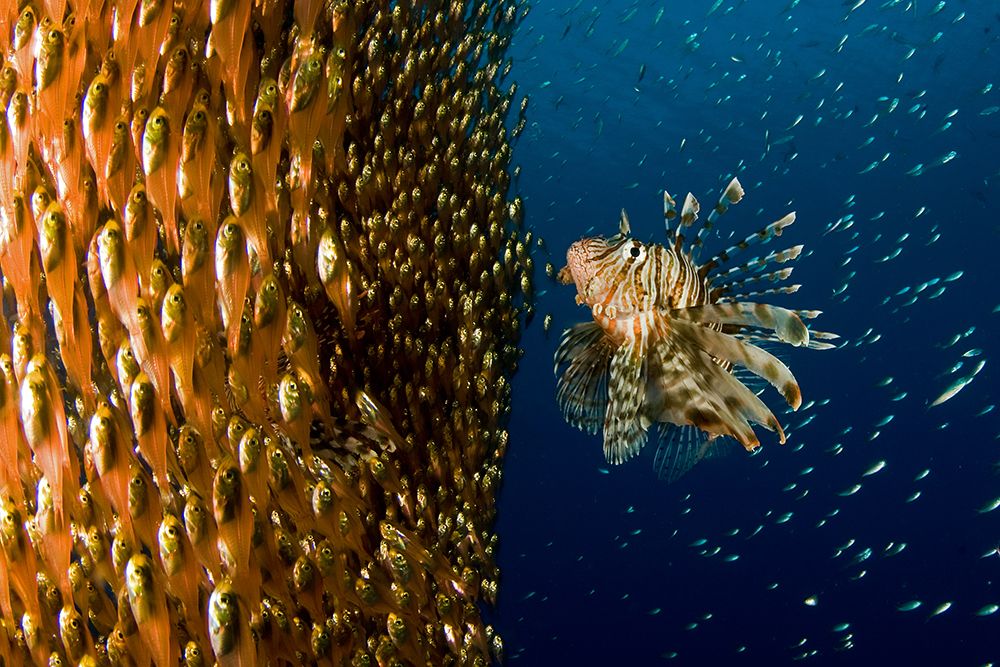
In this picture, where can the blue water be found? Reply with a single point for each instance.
(597, 561)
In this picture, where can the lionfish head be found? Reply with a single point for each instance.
(598, 266)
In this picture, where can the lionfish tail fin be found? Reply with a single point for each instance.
(731, 195)
(624, 432)
(582, 389)
(678, 449)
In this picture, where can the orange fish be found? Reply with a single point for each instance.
(232, 273)
(150, 426)
(139, 225)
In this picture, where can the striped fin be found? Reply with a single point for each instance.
(688, 387)
(731, 195)
(758, 263)
(582, 389)
(771, 277)
(689, 213)
(624, 228)
(733, 350)
(669, 213)
(816, 339)
(782, 321)
(787, 289)
(759, 237)
(678, 449)
(624, 434)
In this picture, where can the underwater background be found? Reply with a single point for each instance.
(873, 534)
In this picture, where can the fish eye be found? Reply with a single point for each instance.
(634, 252)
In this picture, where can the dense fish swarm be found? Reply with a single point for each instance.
(262, 287)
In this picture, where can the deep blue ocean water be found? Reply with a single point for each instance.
(823, 108)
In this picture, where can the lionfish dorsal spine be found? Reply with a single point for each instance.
(759, 237)
(669, 213)
(758, 264)
(728, 291)
(624, 228)
(731, 195)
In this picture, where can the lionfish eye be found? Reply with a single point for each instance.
(634, 251)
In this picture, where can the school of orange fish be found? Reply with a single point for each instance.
(262, 289)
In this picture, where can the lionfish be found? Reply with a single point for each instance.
(677, 342)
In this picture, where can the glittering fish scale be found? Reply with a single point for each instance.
(265, 286)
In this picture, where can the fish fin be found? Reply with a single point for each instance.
(678, 449)
(623, 225)
(785, 323)
(733, 289)
(669, 210)
(582, 388)
(754, 266)
(761, 236)
(770, 291)
(624, 434)
(687, 386)
(816, 339)
(729, 348)
(731, 195)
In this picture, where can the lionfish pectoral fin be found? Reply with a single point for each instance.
(758, 361)
(582, 387)
(687, 386)
(678, 449)
(624, 434)
(785, 323)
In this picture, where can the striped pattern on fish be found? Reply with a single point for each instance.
(668, 331)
